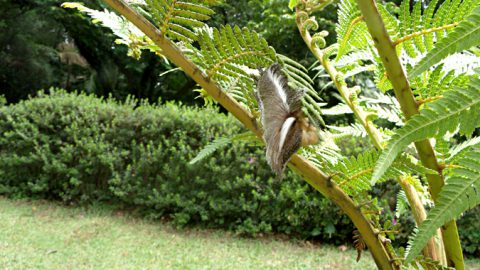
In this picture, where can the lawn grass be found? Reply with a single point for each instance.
(45, 235)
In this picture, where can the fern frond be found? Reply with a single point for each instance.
(179, 19)
(222, 142)
(354, 130)
(461, 192)
(384, 106)
(127, 33)
(464, 36)
(327, 152)
(420, 28)
(402, 204)
(339, 109)
(209, 149)
(223, 52)
(351, 29)
(353, 174)
(438, 81)
(231, 56)
(354, 58)
(459, 149)
(380, 75)
(460, 108)
(297, 74)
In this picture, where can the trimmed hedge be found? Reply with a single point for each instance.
(79, 148)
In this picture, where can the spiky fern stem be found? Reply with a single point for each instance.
(409, 106)
(309, 172)
(347, 94)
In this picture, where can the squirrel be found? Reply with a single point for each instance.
(285, 126)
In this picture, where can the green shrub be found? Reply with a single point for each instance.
(80, 148)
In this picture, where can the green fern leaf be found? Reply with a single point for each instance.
(225, 52)
(465, 35)
(353, 174)
(179, 19)
(339, 109)
(231, 56)
(222, 142)
(459, 149)
(405, 28)
(352, 32)
(354, 130)
(461, 192)
(460, 108)
(402, 204)
(210, 149)
(427, 19)
(127, 33)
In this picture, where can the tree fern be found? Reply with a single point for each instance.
(407, 24)
(327, 153)
(402, 204)
(461, 192)
(355, 130)
(338, 109)
(465, 35)
(460, 108)
(383, 106)
(179, 19)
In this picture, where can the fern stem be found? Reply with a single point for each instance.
(318, 179)
(403, 92)
(424, 32)
(344, 91)
(430, 99)
(379, 252)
